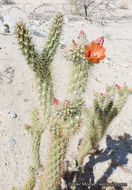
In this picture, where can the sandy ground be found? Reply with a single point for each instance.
(18, 93)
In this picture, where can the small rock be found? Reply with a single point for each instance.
(7, 24)
(12, 141)
(7, 28)
(7, 163)
(26, 100)
(12, 114)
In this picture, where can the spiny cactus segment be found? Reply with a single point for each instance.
(67, 117)
(63, 125)
(53, 38)
(51, 180)
(30, 184)
(35, 131)
(106, 106)
(25, 44)
(39, 63)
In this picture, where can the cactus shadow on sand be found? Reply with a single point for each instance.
(116, 152)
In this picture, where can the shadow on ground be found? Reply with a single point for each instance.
(116, 152)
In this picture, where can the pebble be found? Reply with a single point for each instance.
(12, 114)
(12, 141)
(8, 21)
(38, 33)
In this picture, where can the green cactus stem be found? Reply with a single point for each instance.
(64, 124)
(45, 85)
(87, 141)
(51, 180)
(41, 63)
(25, 44)
(36, 131)
(79, 74)
(36, 62)
(53, 38)
(45, 89)
(30, 184)
(106, 107)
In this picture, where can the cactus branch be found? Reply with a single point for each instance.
(35, 130)
(105, 108)
(25, 44)
(53, 38)
(51, 180)
(79, 74)
(31, 180)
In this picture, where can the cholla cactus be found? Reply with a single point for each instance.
(106, 107)
(64, 119)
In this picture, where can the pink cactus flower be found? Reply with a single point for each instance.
(124, 84)
(55, 101)
(100, 40)
(82, 35)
